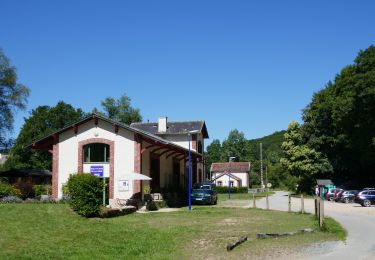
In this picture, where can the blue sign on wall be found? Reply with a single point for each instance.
(97, 170)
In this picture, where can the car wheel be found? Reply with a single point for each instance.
(331, 199)
(346, 200)
(366, 203)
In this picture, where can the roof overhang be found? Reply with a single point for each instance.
(46, 142)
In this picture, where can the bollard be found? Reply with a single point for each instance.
(289, 203)
(254, 201)
(302, 204)
(267, 203)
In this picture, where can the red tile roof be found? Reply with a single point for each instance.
(234, 167)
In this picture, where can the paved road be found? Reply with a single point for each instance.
(357, 220)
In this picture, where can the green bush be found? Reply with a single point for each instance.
(224, 189)
(8, 190)
(42, 190)
(86, 192)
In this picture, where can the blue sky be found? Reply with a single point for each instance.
(250, 65)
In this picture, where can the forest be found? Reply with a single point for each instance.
(336, 139)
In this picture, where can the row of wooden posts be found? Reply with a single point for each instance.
(319, 207)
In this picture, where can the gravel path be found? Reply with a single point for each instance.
(357, 220)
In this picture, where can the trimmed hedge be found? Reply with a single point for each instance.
(155, 205)
(86, 193)
(111, 213)
(224, 189)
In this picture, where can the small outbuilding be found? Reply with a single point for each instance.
(324, 185)
(235, 174)
(32, 176)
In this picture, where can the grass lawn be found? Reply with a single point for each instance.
(39, 231)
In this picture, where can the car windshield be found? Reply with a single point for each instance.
(200, 186)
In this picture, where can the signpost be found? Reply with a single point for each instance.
(98, 171)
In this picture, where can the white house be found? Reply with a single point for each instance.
(235, 174)
(104, 147)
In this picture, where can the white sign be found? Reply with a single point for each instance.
(123, 185)
(269, 185)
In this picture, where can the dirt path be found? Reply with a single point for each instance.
(357, 220)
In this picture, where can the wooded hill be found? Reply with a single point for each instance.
(249, 150)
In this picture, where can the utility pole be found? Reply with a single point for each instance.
(261, 168)
(268, 189)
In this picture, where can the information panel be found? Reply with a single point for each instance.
(97, 170)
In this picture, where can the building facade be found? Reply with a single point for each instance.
(109, 149)
(234, 174)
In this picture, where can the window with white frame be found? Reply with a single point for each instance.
(219, 183)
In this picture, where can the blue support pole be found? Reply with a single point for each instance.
(189, 181)
(229, 185)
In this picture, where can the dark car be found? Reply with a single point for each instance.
(366, 197)
(204, 193)
(347, 196)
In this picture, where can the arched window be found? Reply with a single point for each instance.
(199, 147)
(96, 153)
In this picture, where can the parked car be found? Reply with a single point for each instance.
(346, 196)
(338, 195)
(330, 195)
(366, 197)
(204, 193)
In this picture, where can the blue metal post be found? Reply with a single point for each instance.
(189, 181)
(229, 185)
(229, 170)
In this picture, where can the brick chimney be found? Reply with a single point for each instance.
(162, 124)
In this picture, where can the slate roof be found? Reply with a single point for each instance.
(25, 173)
(323, 182)
(174, 128)
(235, 167)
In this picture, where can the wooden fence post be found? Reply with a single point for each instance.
(321, 213)
(267, 203)
(302, 204)
(254, 201)
(289, 203)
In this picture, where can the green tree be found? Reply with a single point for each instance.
(235, 145)
(213, 154)
(13, 96)
(302, 161)
(120, 110)
(43, 121)
(340, 121)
